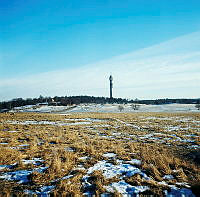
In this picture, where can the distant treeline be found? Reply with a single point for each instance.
(63, 100)
(71, 100)
(168, 101)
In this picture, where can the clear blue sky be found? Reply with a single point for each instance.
(58, 47)
(46, 35)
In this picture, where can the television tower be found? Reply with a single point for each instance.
(111, 85)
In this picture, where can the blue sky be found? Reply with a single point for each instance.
(47, 36)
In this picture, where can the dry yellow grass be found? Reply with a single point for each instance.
(162, 141)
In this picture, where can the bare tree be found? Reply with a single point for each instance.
(197, 106)
(120, 108)
(135, 106)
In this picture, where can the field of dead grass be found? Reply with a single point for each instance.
(99, 154)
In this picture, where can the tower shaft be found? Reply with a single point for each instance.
(111, 86)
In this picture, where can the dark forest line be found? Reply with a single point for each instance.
(71, 100)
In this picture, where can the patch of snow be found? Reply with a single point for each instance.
(125, 189)
(110, 170)
(172, 128)
(109, 155)
(42, 107)
(67, 177)
(145, 136)
(183, 184)
(43, 191)
(159, 134)
(179, 193)
(79, 168)
(75, 119)
(129, 125)
(190, 135)
(58, 123)
(40, 169)
(135, 162)
(86, 119)
(34, 161)
(157, 118)
(116, 134)
(96, 120)
(77, 123)
(162, 183)
(168, 177)
(84, 158)
(102, 125)
(21, 146)
(21, 175)
(69, 149)
(31, 122)
(2, 167)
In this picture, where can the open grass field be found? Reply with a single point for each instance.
(100, 154)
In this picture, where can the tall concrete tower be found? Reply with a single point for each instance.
(111, 85)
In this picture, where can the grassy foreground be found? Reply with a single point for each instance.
(66, 146)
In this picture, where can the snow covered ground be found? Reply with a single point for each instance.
(114, 108)
(40, 108)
